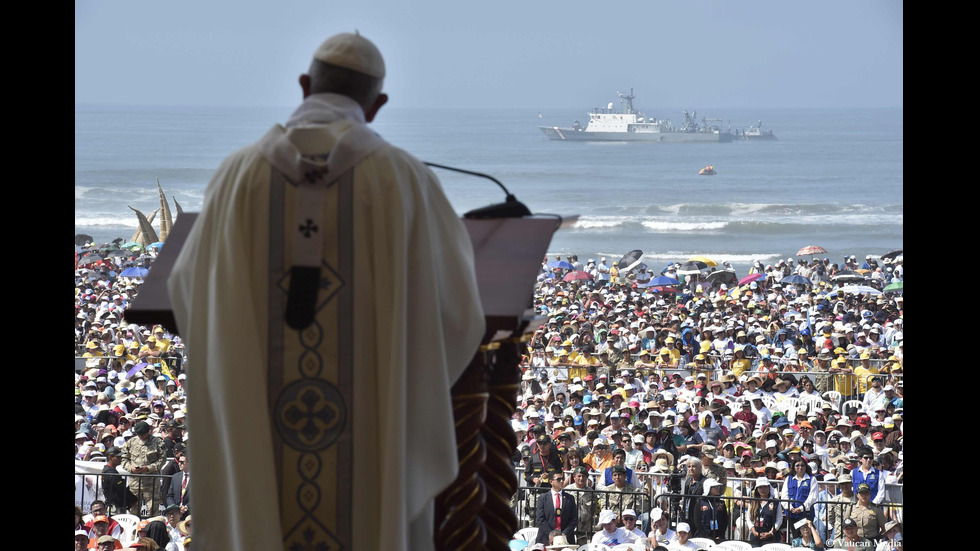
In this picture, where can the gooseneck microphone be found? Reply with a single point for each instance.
(510, 208)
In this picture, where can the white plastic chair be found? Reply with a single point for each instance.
(593, 547)
(702, 542)
(788, 403)
(735, 545)
(858, 404)
(833, 397)
(769, 401)
(128, 523)
(776, 547)
(811, 404)
(527, 534)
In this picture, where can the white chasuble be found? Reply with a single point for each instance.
(338, 435)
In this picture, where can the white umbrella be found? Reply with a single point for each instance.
(859, 290)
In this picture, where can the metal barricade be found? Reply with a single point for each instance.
(142, 494)
(174, 362)
(737, 497)
(830, 516)
(588, 504)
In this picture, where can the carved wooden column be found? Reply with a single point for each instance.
(498, 472)
(457, 509)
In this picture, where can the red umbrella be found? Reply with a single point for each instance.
(574, 276)
(750, 278)
(811, 250)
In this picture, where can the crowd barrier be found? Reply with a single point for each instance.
(826, 515)
(148, 490)
(588, 504)
(173, 362)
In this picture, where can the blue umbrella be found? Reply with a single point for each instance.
(135, 271)
(561, 264)
(663, 280)
(157, 245)
(796, 279)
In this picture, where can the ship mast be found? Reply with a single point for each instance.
(628, 100)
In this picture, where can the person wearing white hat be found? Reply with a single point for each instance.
(766, 513)
(313, 249)
(681, 535)
(661, 533)
(629, 524)
(609, 534)
(712, 515)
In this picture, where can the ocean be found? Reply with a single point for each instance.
(834, 178)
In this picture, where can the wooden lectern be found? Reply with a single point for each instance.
(474, 511)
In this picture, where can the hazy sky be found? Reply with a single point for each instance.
(534, 53)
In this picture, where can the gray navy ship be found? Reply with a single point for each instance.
(629, 125)
(755, 133)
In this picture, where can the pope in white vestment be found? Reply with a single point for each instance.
(340, 433)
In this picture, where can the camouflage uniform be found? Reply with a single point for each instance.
(838, 509)
(821, 379)
(151, 454)
(633, 498)
(714, 470)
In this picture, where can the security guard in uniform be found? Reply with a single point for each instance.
(544, 460)
(869, 517)
(144, 454)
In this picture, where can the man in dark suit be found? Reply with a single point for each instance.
(556, 510)
(180, 487)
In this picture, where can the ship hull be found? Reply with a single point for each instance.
(571, 134)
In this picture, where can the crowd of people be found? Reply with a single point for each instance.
(654, 414)
(129, 413)
(768, 411)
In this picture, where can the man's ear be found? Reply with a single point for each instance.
(304, 83)
(375, 107)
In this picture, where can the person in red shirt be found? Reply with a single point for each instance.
(747, 416)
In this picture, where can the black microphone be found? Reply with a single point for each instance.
(510, 208)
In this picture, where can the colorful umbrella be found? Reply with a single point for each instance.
(893, 287)
(706, 260)
(135, 271)
(136, 369)
(691, 267)
(662, 280)
(577, 276)
(750, 278)
(795, 279)
(811, 250)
